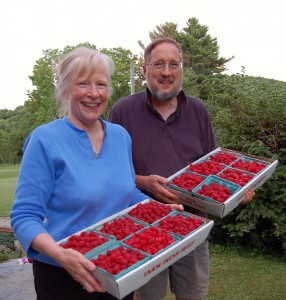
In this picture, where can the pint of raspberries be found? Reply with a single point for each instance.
(215, 191)
(249, 166)
(151, 240)
(121, 227)
(236, 176)
(187, 181)
(118, 259)
(207, 167)
(180, 224)
(84, 242)
(223, 157)
(150, 212)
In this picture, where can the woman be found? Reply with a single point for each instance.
(75, 172)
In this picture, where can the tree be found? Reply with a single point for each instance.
(121, 81)
(200, 54)
(12, 135)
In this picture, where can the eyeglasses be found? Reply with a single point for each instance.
(159, 65)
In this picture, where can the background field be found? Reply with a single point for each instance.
(235, 273)
(8, 179)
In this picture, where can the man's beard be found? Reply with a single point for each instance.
(164, 96)
(161, 96)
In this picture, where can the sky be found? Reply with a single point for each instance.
(250, 30)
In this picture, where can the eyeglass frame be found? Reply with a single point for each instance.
(162, 65)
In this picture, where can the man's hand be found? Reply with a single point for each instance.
(248, 196)
(153, 184)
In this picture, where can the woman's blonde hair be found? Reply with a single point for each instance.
(78, 62)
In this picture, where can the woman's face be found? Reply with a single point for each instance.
(88, 96)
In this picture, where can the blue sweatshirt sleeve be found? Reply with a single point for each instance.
(35, 185)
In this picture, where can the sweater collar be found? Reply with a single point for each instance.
(78, 130)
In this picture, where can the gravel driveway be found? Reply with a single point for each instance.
(16, 281)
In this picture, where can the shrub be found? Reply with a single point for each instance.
(249, 116)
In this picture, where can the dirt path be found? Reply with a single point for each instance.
(5, 222)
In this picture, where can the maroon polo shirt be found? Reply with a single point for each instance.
(164, 147)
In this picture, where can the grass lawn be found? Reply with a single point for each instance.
(239, 275)
(236, 275)
(8, 179)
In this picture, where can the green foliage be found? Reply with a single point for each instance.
(7, 239)
(249, 116)
(11, 135)
(7, 246)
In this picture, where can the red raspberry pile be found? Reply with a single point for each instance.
(206, 168)
(180, 224)
(187, 181)
(84, 242)
(215, 191)
(223, 157)
(150, 240)
(249, 166)
(116, 260)
(150, 212)
(236, 176)
(121, 227)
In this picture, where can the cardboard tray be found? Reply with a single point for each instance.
(124, 285)
(222, 209)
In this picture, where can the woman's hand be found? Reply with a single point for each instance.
(80, 269)
(73, 261)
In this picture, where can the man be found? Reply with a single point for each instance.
(169, 130)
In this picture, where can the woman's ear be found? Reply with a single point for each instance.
(66, 94)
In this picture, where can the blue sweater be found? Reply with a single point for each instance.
(62, 188)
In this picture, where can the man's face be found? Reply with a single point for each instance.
(164, 72)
